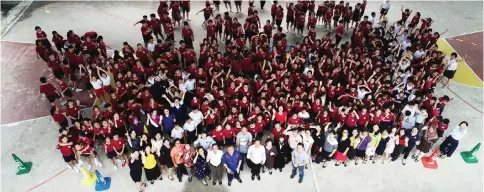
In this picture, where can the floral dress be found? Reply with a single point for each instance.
(202, 169)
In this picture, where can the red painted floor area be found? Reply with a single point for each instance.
(19, 91)
(470, 47)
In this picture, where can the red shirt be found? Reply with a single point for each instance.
(340, 30)
(63, 85)
(66, 150)
(187, 33)
(281, 118)
(40, 35)
(363, 119)
(118, 144)
(217, 135)
(48, 89)
(276, 134)
(146, 30)
(228, 133)
(72, 111)
(292, 121)
(108, 147)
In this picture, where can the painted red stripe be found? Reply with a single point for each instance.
(38, 185)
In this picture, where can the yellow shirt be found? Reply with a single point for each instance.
(354, 142)
(150, 162)
(375, 139)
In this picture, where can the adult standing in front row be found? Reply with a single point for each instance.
(451, 142)
(232, 160)
(214, 158)
(299, 160)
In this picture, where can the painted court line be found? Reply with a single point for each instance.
(16, 19)
(315, 181)
(462, 34)
(24, 121)
(465, 101)
(463, 60)
(50, 178)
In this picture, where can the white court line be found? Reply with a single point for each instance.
(23, 42)
(462, 34)
(315, 181)
(28, 120)
(466, 64)
(16, 19)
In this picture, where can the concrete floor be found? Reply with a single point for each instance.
(34, 140)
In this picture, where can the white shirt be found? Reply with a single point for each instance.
(257, 154)
(386, 5)
(451, 64)
(307, 69)
(177, 133)
(418, 54)
(361, 93)
(303, 115)
(106, 81)
(190, 127)
(214, 158)
(421, 116)
(457, 133)
(196, 117)
(151, 47)
(97, 84)
(406, 44)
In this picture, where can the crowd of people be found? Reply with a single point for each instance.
(258, 103)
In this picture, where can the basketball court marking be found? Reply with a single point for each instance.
(464, 74)
(16, 19)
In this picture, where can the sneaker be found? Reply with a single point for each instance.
(214, 182)
(115, 167)
(80, 162)
(258, 177)
(220, 182)
(96, 162)
(119, 161)
(239, 180)
(253, 177)
(78, 90)
(76, 169)
(300, 180)
(179, 180)
(292, 176)
(90, 95)
(124, 163)
(89, 167)
(160, 178)
(68, 166)
(404, 162)
(230, 183)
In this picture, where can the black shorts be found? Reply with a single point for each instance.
(186, 9)
(68, 93)
(346, 19)
(86, 155)
(59, 48)
(146, 38)
(88, 85)
(52, 98)
(207, 17)
(336, 19)
(278, 22)
(239, 3)
(227, 2)
(69, 158)
(449, 74)
(360, 153)
(300, 26)
(218, 30)
(58, 74)
(112, 154)
(384, 11)
(290, 19)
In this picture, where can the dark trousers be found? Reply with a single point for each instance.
(244, 159)
(448, 146)
(217, 172)
(397, 151)
(191, 137)
(262, 3)
(338, 40)
(181, 170)
(233, 175)
(407, 150)
(254, 168)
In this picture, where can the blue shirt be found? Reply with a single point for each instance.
(232, 161)
(168, 123)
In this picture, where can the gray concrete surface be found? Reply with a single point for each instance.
(34, 140)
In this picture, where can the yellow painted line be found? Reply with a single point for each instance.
(464, 74)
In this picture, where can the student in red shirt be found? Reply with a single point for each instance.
(66, 148)
(42, 36)
(207, 13)
(88, 152)
(155, 24)
(119, 146)
(111, 153)
(49, 91)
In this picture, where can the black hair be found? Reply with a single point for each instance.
(43, 80)
(465, 122)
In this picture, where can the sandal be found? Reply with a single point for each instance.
(170, 178)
